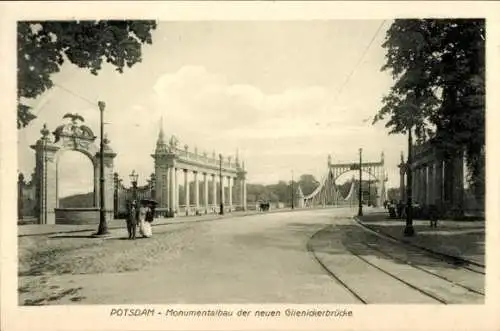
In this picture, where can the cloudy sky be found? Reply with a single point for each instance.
(268, 89)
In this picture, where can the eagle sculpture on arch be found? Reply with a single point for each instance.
(74, 117)
(75, 128)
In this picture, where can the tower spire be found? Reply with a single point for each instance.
(161, 135)
(161, 146)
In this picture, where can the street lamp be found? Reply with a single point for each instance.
(360, 207)
(293, 197)
(369, 186)
(103, 225)
(133, 179)
(409, 231)
(153, 186)
(221, 212)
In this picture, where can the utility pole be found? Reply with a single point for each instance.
(360, 207)
(45, 213)
(103, 225)
(221, 212)
(409, 231)
(369, 186)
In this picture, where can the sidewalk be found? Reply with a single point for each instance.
(463, 240)
(44, 229)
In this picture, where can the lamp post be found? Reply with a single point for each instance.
(116, 181)
(133, 179)
(293, 191)
(153, 186)
(360, 206)
(221, 212)
(409, 231)
(45, 213)
(369, 186)
(103, 225)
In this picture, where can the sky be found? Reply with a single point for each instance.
(268, 89)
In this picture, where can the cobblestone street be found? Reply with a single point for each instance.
(294, 257)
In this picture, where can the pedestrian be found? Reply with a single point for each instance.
(144, 227)
(433, 216)
(399, 209)
(132, 219)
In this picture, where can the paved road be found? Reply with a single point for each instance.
(254, 259)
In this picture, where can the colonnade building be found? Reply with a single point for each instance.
(214, 172)
(436, 180)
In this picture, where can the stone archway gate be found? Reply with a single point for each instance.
(75, 137)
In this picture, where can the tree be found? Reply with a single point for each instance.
(393, 193)
(439, 91)
(44, 46)
(308, 183)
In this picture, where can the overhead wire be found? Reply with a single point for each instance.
(365, 51)
(360, 61)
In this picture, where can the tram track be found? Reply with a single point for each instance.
(454, 261)
(435, 274)
(311, 250)
(388, 270)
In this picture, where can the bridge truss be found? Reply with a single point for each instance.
(328, 194)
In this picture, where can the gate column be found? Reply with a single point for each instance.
(46, 173)
(196, 192)
(222, 189)
(205, 191)
(186, 191)
(438, 186)
(230, 193)
(214, 192)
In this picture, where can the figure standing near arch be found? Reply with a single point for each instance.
(132, 220)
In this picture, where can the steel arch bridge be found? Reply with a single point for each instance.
(328, 194)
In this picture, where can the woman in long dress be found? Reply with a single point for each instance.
(144, 225)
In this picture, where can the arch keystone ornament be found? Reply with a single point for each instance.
(71, 136)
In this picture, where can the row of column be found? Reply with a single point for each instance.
(169, 191)
(439, 183)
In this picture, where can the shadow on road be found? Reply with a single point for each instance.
(356, 239)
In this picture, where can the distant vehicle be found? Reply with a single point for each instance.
(264, 205)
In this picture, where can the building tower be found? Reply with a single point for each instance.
(161, 157)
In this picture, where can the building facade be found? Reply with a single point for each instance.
(216, 180)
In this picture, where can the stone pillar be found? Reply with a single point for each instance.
(46, 176)
(172, 190)
(166, 188)
(196, 193)
(214, 191)
(414, 180)
(97, 192)
(423, 185)
(222, 189)
(230, 193)
(20, 195)
(46, 173)
(430, 184)
(205, 191)
(458, 185)
(416, 193)
(186, 191)
(244, 189)
(447, 183)
(438, 184)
